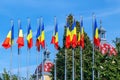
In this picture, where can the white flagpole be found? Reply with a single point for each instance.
(42, 57)
(11, 54)
(55, 68)
(19, 55)
(73, 64)
(28, 62)
(65, 65)
(11, 64)
(28, 56)
(81, 72)
(37, 63)
(81, 62)
(73, 71)
(65, 78)
(55, 74)
(42, 66)
(18, 64)
(93, 49)
(37, 51)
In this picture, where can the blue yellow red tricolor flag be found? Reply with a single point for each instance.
(73, 35)
(53, 38)
(82, 34)
(29, 37)
(68, 36)
(96, 35)
(9, 39)
(20, 39)
(79, 38)
(42, 41)
(38, 38)
(56, 37)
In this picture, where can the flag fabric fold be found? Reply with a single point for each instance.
(29, 37)
(68, 36)
(9, 39)
(73, 34)
(96, 35)
(53, 39)
(82, 35)
(20, 39)
(42, 42)
(79, 38)
(38, 38)
(56, 37)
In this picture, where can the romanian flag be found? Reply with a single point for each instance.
(68, 36)
(79, 38)
(96, 35)
(20, 39)
(9, 39)
(42, 41)
(73, 35)
(82, 35)
(29, 37)
(53, 38)
(38, 39)
(56, 37)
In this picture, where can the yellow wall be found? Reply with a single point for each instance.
(46, 77)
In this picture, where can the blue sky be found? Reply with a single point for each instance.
(106, 10)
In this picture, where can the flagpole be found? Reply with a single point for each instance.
(42, 58)
(11, 54)
(28, 56)
(37, 63)
(18, 64)
(93, 49)
(73, 64)
(42, 66)
(37, 52)
(65, 65)
(65, 78)
(81, 71)
(55, 74)
(11, 64)
(55, 68)
(19, 55)
(81, 63)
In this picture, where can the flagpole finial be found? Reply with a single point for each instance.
(81, 17)
(55, 19)
(93, 14)
(12, 22)
(28, 20)
(41, 20)
(19, 21)
(38, 21)
(100, 22)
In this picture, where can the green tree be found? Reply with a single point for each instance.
(87, 60)
(6, 75)
(106, 67)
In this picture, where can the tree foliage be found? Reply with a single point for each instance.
(106, 67)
